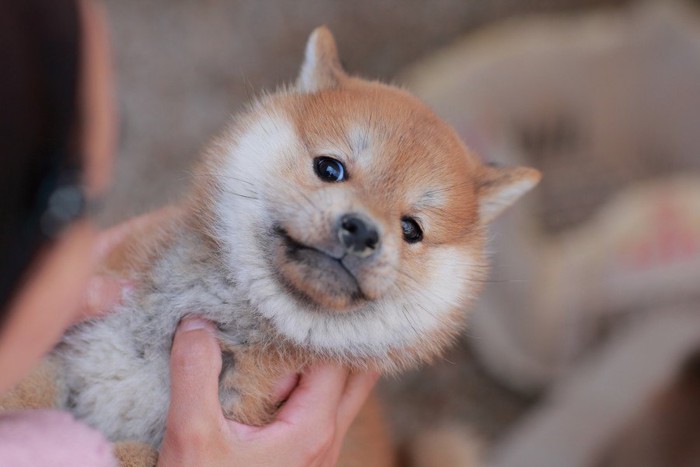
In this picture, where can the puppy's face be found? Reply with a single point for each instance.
(353, 217)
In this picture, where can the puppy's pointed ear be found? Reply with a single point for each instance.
(499, 187)
(321, 68)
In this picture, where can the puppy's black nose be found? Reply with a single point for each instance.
(358, 235)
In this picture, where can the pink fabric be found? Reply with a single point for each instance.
(38, 438)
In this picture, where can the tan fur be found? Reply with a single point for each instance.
(133, 454)
(427, 146)
(37, 391)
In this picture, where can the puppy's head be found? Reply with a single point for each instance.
(352, 216)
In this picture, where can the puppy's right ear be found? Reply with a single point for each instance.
(499, 187)
(321, 68)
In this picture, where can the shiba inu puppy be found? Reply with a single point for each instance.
(338, 219)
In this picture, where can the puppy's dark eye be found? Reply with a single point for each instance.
(412, 232)
(329, 169)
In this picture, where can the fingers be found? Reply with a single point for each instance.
(357, 390)
(194, 431)
(310, 427)
(195, 364)
(110, 238)
(306, 425)
(316, 397)
(102, 294)
(284, 387)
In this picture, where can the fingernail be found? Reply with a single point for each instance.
(193, 324)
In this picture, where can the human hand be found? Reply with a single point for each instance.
(308, 431)
(104, 292)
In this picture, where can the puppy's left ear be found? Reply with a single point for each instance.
(499, 187)
(321, 68)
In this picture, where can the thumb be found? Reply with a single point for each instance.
(195, 364)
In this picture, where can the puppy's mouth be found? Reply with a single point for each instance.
(313, 276)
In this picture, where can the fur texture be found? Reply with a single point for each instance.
(256, 249)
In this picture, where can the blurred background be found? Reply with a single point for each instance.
(582, 349)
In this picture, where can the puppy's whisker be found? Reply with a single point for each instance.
(241, 195)
(223, 176)
(410, 322)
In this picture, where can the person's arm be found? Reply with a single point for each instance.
(308, 431)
